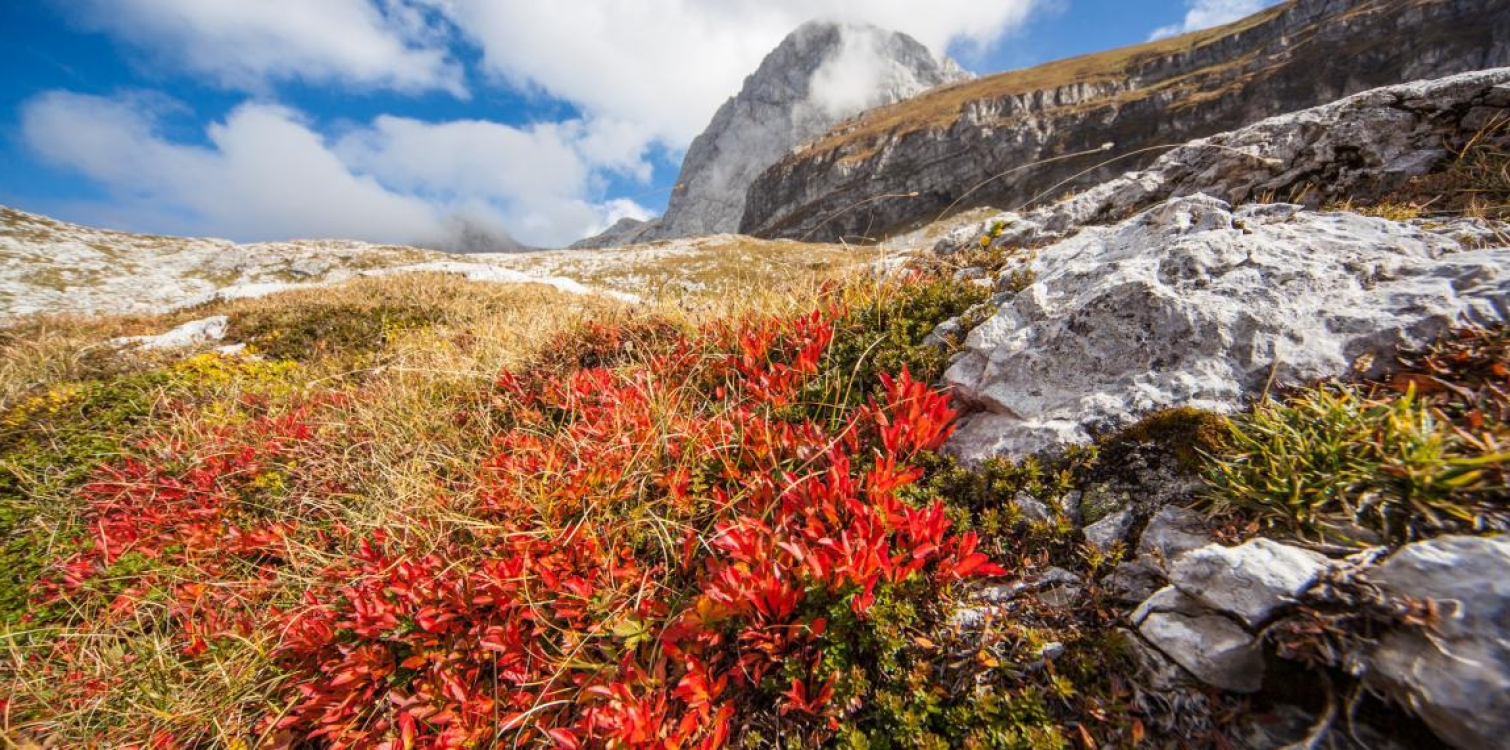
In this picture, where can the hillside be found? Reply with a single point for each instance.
(55, 268)
(1208, 475)
(1017, 138)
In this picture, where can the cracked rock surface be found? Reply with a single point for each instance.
(1195, 303)
(1252, 581)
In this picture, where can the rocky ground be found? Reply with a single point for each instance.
(52, 267)
(1193, 304)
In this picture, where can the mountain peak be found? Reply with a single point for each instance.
(821, 74)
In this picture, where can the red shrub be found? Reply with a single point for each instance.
(653, 538)
(650, 550)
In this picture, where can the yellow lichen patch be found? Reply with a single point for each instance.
(50, 402)
(215, 369)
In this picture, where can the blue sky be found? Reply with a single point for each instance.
(401, 120)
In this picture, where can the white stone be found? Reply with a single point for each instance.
(1109, 531)
(192, 333)
(1166, 600)
(1216, 650)
(1030, 509)
(1456, 675)
(1193, 304)
(1252, 581)
(1172, 532)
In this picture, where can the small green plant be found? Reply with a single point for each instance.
(1333, 457)
(886, 332)
(49, 442)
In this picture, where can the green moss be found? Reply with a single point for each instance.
(887, 334)
(1190, 434)
(305, 332)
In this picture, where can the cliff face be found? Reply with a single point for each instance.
(820, 74)
(985, 142)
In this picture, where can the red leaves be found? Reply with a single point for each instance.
(653, 542)
(913, 417)
(562, 624)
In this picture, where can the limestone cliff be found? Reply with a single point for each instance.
(985, 142)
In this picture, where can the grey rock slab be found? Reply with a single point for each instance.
(1031, 509)
(1172, 532)
(1155, 670)
(1110, 531)
(192, 333)
(1253, 581)
(1166, 600)
(1456, 677)
(1214, 649)
(1192, 304)
(1134, 580)
(1071, 505)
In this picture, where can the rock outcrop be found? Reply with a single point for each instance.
(819, 75)
(1452, 671)
(1366, 144)
(1194, 303)
(1007, 140)
(625, 231)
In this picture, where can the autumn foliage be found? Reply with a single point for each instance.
(649, 556)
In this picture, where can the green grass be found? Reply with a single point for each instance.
(48, 445)
(1333, 457)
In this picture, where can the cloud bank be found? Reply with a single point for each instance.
(253, 44)
(265, 173)
(668, 64)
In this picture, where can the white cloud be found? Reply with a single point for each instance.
(643, 75)
(266, 173)
(249, 44)
(1204, 14)
(538, 176)
(666, 65)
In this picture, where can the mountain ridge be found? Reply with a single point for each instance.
(956, 147)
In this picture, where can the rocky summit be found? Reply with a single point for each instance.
(821, 74)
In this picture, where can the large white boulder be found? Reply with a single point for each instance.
(1193, 303)
(1252, 581)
